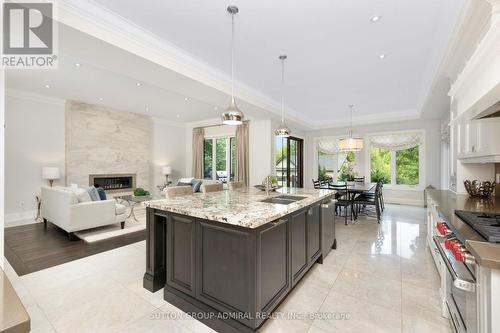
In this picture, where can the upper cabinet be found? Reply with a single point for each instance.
(478, 141)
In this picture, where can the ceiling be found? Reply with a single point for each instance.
(332, 45)
(92, 71)
(333, 51)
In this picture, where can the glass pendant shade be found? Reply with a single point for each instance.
(349, 143)
(232, 115)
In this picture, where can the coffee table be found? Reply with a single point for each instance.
(132, 201)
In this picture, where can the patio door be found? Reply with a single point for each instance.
(290, 161)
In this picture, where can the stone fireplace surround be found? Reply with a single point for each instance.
(105, 142)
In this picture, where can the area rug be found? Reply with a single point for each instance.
(114, 230)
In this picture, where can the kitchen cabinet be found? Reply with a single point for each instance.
(313, 233)
(298, 229)
(478, 140)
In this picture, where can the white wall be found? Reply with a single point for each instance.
(432, 156)
(168, 148)
(34, 138)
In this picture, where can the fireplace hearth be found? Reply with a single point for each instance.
(114, 182)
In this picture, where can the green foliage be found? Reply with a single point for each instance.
(273, 179)
(407, 166)
(220, 161)
(140, 192)
(346, 171)
(380, 165)
(207, 159)
(281, 154)
(322, 173)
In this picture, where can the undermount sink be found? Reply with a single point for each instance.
(283, 199)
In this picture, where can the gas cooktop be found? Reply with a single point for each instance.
(486, 224)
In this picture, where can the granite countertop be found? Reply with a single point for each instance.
(487, 254)
(242, 207)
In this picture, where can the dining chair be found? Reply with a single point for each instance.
(177, 191)
(343, 198)
(317, 184)
(368, 200)
(207, 188)
(359, 179)
(235, 185)
(380, 194)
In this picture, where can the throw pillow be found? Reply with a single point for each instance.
(83, 196)
(196, 183)
(94, 195)
(183, 184)
(102, 193)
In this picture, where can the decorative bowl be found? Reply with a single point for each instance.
(476, 188)
(263, 188)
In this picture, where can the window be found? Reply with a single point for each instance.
(219, 160)
(380, 160)
(346, 164)
(395, 158)
(407, 172)
(325, 165)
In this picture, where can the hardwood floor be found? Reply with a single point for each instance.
(30, 248)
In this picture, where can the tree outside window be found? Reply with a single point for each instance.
(380, 160)
(399, 167)
(407, 166)
(219, 158)
(346, 171)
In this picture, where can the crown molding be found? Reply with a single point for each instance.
(99, 22)
(389, 117)
(29, 96)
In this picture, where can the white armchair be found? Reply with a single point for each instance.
(60, 207)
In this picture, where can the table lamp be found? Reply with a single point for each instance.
(166, 171)
(51, 173)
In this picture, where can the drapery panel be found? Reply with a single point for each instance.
(198, 140)
(396, 141)
(242, 156)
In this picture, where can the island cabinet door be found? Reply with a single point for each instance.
(181, 253)
(226, 269)
(298, 228)
(313, 233)
(273, 264)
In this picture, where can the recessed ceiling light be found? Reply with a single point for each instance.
(382, 56)
(101, 98)
(178, 116)
(77, 64)
(186, 99)
(47, 86)
(147, 108)
(375, 19)
(216, 108)
(138, 84)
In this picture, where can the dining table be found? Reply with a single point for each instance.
(352, 188)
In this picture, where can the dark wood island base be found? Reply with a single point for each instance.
(229, 277)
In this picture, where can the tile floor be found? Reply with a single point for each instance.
(380, 279)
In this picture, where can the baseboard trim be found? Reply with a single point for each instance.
(402, 201)
(20, 218)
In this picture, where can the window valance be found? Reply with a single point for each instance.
(328, 146)
(396, 141)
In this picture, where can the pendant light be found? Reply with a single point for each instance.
(349, 143)
(232, 115)
(283, 130)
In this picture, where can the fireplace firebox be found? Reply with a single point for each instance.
(114, 182)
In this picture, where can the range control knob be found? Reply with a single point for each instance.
(443, 229)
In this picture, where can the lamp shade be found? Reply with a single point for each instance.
(350, 144)
(51, 173)
(166, 170)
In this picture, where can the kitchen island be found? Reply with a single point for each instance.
(233, 256)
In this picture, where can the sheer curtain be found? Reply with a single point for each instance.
(242, 169)
(198, 138)
(396, 141)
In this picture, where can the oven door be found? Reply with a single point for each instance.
(460, 291)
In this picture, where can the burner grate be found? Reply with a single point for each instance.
(486, 224)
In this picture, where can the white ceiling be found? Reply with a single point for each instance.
(108, 76)
(332, 45)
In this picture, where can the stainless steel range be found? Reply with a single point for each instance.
(486, 224)
(458, 280)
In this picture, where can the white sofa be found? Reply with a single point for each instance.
(60, 206)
